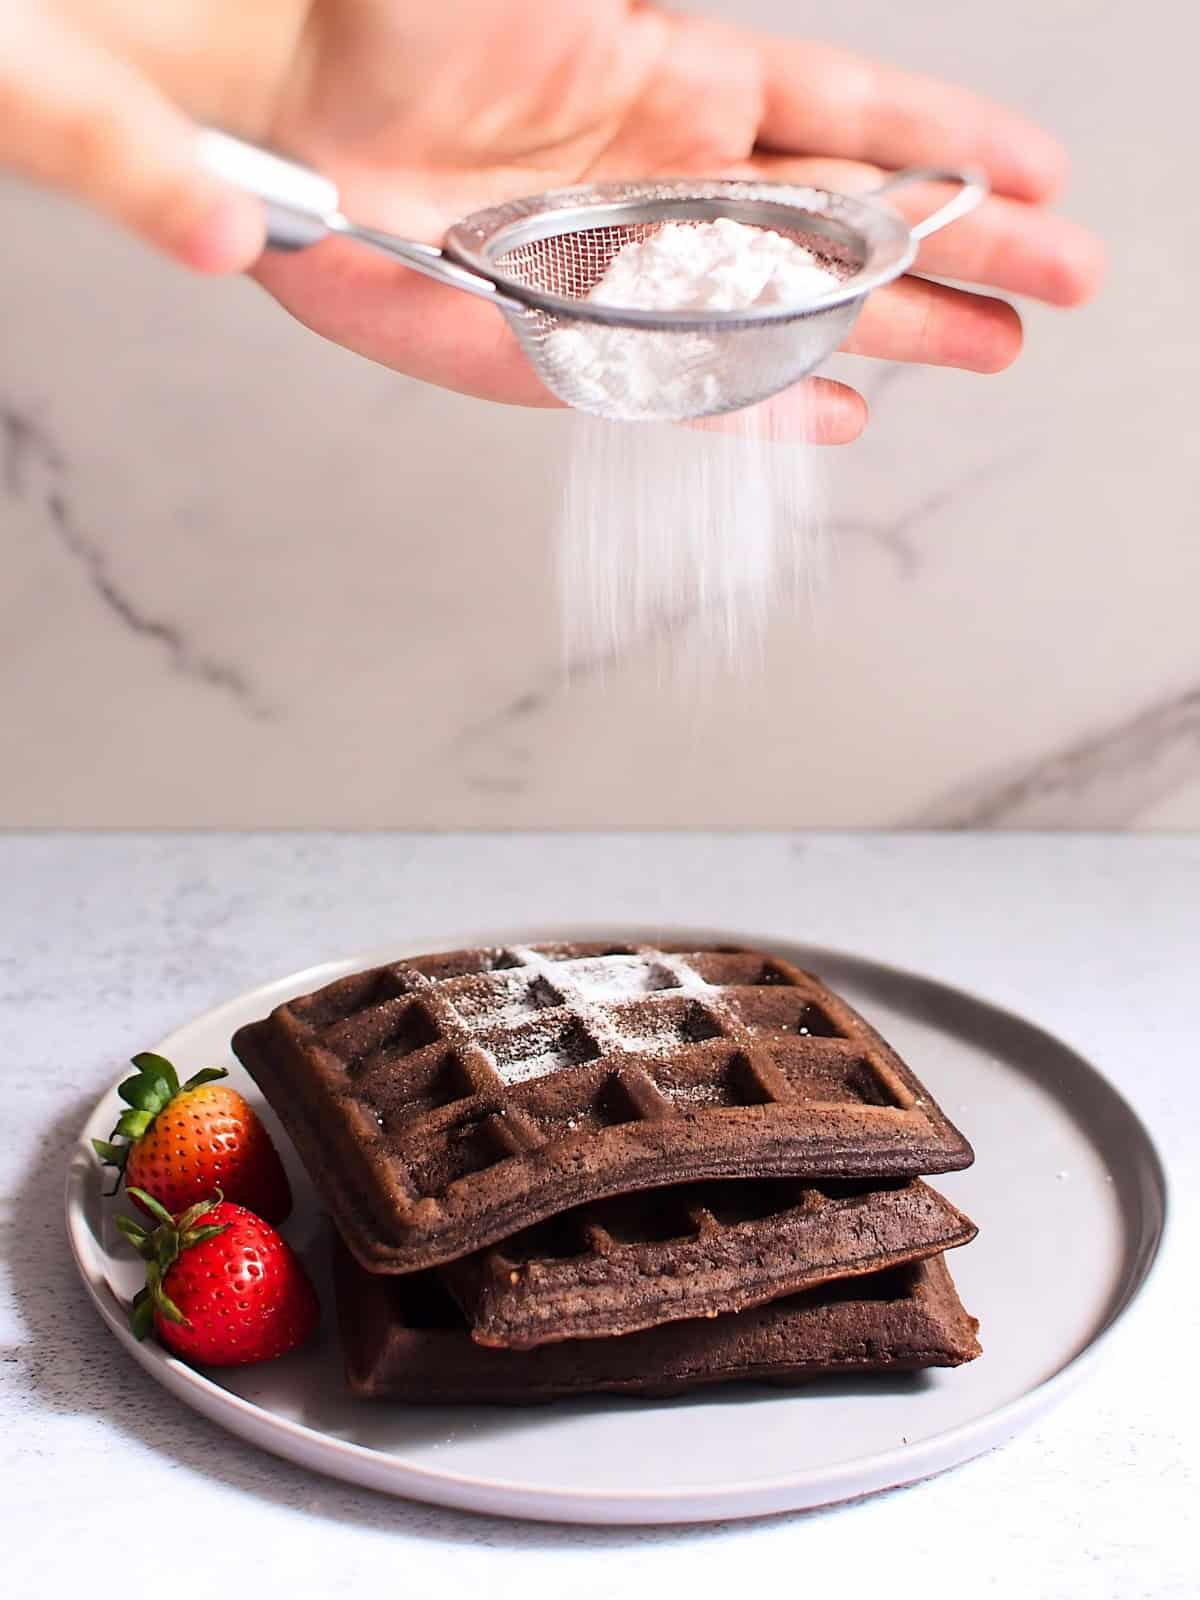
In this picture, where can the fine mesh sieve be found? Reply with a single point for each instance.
(536, 260)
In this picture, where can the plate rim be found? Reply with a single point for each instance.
(808, 1488)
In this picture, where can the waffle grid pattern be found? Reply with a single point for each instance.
(501, 1086)
(701, 1250)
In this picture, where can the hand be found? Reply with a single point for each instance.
(94, 96)
(508, 99)
(423, 113)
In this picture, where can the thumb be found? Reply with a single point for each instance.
(84, 121)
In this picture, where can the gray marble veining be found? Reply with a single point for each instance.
(1104, 781)
(898, 533)
(35, 468)
(250, 579)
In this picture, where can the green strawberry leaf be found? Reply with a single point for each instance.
(132, 1124)
(157, 1067)
(156, 1209)
(164, 1305)
(141, 1317)
(145, 1094)
(199, 1209)
(199, 1235)
(161, 1302)
(205, 1075)
(136, 1235)
(112, 1155)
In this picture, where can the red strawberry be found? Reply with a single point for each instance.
(222, 1287)
(184, 1142)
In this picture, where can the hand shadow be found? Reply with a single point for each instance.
(70, 1365)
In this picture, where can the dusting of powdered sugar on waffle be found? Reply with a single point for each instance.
(582, 1001)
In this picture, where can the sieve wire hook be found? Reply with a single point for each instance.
(973, 187)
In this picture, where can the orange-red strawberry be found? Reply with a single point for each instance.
(222, 1287)
(185, 1140)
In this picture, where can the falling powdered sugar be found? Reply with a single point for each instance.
(666, 527)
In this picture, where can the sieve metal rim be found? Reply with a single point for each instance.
(888, 243)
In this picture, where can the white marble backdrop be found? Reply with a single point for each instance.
(250, 579)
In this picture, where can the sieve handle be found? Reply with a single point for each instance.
(302, 209)
(973, 187)
(298, 202)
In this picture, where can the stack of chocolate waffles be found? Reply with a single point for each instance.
(562, 1168)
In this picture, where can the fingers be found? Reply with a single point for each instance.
(823, 99)
(911, 320)
(817, 411)
(76, 118)
(444, 337)
(1008, 245)
(440, 336)
(1003, 244)
(399, 318)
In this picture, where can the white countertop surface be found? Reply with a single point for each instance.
(258, 545)
(108, 941)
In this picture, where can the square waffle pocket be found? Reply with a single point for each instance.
(702, 1250)
(404, 1339)
(446, 1102)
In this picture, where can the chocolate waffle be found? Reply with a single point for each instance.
(702, 1250)
(405, 1339)
(443, 1103)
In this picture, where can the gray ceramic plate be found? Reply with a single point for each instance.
(1067, 1190)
